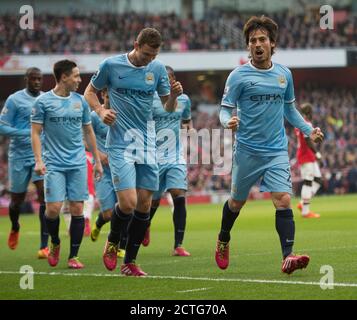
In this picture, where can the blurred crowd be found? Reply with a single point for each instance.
(109, 32)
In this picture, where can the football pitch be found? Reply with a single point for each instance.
(254, 271)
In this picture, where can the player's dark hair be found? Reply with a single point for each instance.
(149, 36)
(265, 23)
(63, 67)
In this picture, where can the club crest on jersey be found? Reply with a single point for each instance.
(149, 78)
(77, 106)
(282, 81)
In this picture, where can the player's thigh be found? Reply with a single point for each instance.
(147, 177)
(77, 184)
(19, 175)
(307, 171)
(246, 171)
(317, 171)
(105, 192)
(277, 175)
(55, 186)
(176, 179)
(123, 171)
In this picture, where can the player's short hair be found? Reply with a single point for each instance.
(263, 22)
(306, 108)
(151, 37)
(32, 70)
(63, 67)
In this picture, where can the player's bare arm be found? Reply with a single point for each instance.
(108, 116)
(170, 102)
(91, 141)
(36, 129)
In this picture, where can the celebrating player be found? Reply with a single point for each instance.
(15, 123)
(263, 92)
(307, 157)
(62, 114)
(132, 80)
(172, 167)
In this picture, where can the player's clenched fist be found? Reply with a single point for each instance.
(108, 116)
(40, 168)
(316, 135)
(176, 88)
(233, 123)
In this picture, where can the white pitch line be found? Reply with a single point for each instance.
(263, 281)
(193, 290)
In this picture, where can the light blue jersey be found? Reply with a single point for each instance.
(16, 114)
(131, 91)
(100, 130)
(260, 96)
(62, 119)
(168, 143)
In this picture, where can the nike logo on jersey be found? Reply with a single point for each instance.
(122, 77)
(253, 83)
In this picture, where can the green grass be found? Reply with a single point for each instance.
(255, 255)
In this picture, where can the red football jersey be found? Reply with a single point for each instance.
(304, 154)
(91, 189)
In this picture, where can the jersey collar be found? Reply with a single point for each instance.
(262, 70)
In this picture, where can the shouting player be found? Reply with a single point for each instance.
(263, 92)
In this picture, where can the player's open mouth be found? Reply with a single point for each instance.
(259, 53)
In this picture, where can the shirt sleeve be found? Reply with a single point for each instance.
(38, 112)
(289, 96)
(163, 84)
(86, 117)
(232, 91)
(186, 114)
(295, 119)
(8, 113)
(100, 79)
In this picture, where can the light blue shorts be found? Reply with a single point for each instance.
(66, 184)
(20, 174)
(171, 176)
(127, 174)
(273, 172)
(104, 190)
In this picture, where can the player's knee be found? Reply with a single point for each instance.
(76, 208)
(107, 214)
(127, 206)
(281, 200)
(53, 209)
(175, 193)
(235, 205)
